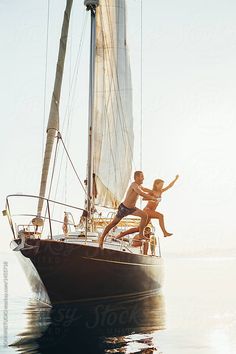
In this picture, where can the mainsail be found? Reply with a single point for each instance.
(113, 121)
(53, 121)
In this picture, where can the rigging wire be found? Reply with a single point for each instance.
(74, 80)
(45, 77)
(71, 97)
(69, 158)
(141, 93)
(52, 175)
(54, 166)
(68, 155)
(141, 84)
(69, 114)
(59, 137)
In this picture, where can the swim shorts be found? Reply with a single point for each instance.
(124, 211)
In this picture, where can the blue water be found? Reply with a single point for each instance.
(194, 314)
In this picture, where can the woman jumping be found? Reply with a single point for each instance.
(150, 208)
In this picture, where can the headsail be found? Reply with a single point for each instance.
(113, 120)
(53, 121)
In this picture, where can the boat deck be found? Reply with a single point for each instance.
(64, 223)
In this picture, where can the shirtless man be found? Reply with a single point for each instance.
(127, 207)
(150, 208)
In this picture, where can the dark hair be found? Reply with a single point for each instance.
(137, 174)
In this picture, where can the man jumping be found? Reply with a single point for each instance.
(127, 207)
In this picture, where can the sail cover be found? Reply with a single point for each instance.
(113, 121)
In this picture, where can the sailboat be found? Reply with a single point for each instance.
(57, 243)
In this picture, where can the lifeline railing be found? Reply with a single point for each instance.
(99, 222)
(47, 212)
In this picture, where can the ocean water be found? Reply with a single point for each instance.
(195, 313)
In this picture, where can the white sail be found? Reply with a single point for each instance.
(53, 121)
(113, 121)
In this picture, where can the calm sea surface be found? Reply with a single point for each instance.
(194, 314)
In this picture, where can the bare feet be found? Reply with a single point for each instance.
(167, 234)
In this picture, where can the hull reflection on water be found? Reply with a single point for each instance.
(94, 327)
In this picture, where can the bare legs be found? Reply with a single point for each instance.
(152, 214)
(127, 232)
(143, 222)
(156, 215)
(145, 247)
(114, 222)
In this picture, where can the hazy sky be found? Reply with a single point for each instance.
(189, 107)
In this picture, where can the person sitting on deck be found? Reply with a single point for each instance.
(144, 242)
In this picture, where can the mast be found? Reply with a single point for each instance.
(91, 6)
(53, 120)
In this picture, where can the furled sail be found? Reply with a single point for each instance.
(53, 121)
(113, 120)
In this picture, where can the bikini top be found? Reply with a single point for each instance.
(155, 201)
